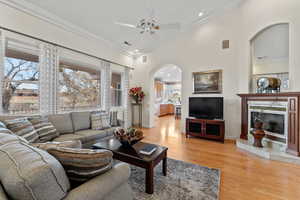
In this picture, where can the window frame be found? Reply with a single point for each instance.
(23, 45)
(84, 65)
(122, 106)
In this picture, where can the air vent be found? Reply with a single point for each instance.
(144, 59)
(225, 44)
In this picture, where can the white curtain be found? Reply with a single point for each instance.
(105, 89)
(126, 98)
(2, 52)
(48, 79)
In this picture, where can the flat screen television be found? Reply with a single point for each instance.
(206, 107)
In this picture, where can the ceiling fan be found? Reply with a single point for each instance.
(150, 25)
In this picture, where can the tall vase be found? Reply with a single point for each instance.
(136, 100)
(258, 134)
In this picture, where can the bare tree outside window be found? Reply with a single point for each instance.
(78, 89)
(20, 86)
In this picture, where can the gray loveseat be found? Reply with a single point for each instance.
(112, 185)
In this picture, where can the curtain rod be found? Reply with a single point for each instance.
(68, 48)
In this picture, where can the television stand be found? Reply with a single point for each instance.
(205, 128)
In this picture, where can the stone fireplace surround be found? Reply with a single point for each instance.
(288, 151)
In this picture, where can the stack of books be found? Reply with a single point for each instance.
(148, 149)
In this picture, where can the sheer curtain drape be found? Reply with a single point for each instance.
(48, 79)
(106, 76)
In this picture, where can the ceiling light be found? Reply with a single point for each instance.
(200, 14)
(136, 51)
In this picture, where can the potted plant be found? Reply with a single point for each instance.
(137, 94)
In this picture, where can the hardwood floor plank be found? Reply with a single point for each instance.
(243, 175)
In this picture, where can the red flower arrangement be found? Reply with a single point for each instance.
(137, 94)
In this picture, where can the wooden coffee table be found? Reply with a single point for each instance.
(133, 157)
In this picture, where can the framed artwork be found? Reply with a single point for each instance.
(207, 82)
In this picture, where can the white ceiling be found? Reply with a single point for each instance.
(98, 17)
(169, 73)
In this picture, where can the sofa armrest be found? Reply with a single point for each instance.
(102, 185)
(2, 194)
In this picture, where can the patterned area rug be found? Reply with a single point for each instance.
(185, 181)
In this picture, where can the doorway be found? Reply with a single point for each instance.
(167, 95)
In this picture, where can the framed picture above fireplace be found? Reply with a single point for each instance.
(207, 82)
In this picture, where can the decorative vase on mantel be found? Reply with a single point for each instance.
(258, 133)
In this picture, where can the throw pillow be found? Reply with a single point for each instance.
(45, 130)
(28, 173)
(52, 145)
(3, 129)
(105, 121)
(100, 120)
(114, 118)
(22, 127)
(83, 164)
(2, 125)
(62, 122)
(81, 120)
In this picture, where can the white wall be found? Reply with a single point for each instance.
(25, 23)
(200, 49)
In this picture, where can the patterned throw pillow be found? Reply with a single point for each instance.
(83, 164)
(3, 129)
(100, 121)
(53, 145)
(105, 121)
(22, 127)
(45, 130)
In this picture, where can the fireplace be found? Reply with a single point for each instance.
(274, 115)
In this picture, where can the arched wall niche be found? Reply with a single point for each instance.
(269, 50)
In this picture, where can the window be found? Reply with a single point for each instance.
(116, 89)
(79, 87)
(20, 92)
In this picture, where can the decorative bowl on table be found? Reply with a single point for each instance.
(128, 137)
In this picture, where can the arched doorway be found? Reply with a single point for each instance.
(167, 95)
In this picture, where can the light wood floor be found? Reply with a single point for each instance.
(243, 176)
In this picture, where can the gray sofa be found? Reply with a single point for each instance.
(112, 185)
(76, 126)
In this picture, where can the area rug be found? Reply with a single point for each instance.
(185, 181)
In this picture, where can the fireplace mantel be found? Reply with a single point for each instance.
(293, 99)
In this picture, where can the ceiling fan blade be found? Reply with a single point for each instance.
(171, 26)
(125, 24)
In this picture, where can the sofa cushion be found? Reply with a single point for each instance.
(22, 127)
(81, 120)
(83, 164)
(50, 145)
(62, 123)
(45, 130)
(6, 138)
(68, 137)
(28, 173)
(100, 121)
(89, 135)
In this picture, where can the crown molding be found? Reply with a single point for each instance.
(48, 17)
